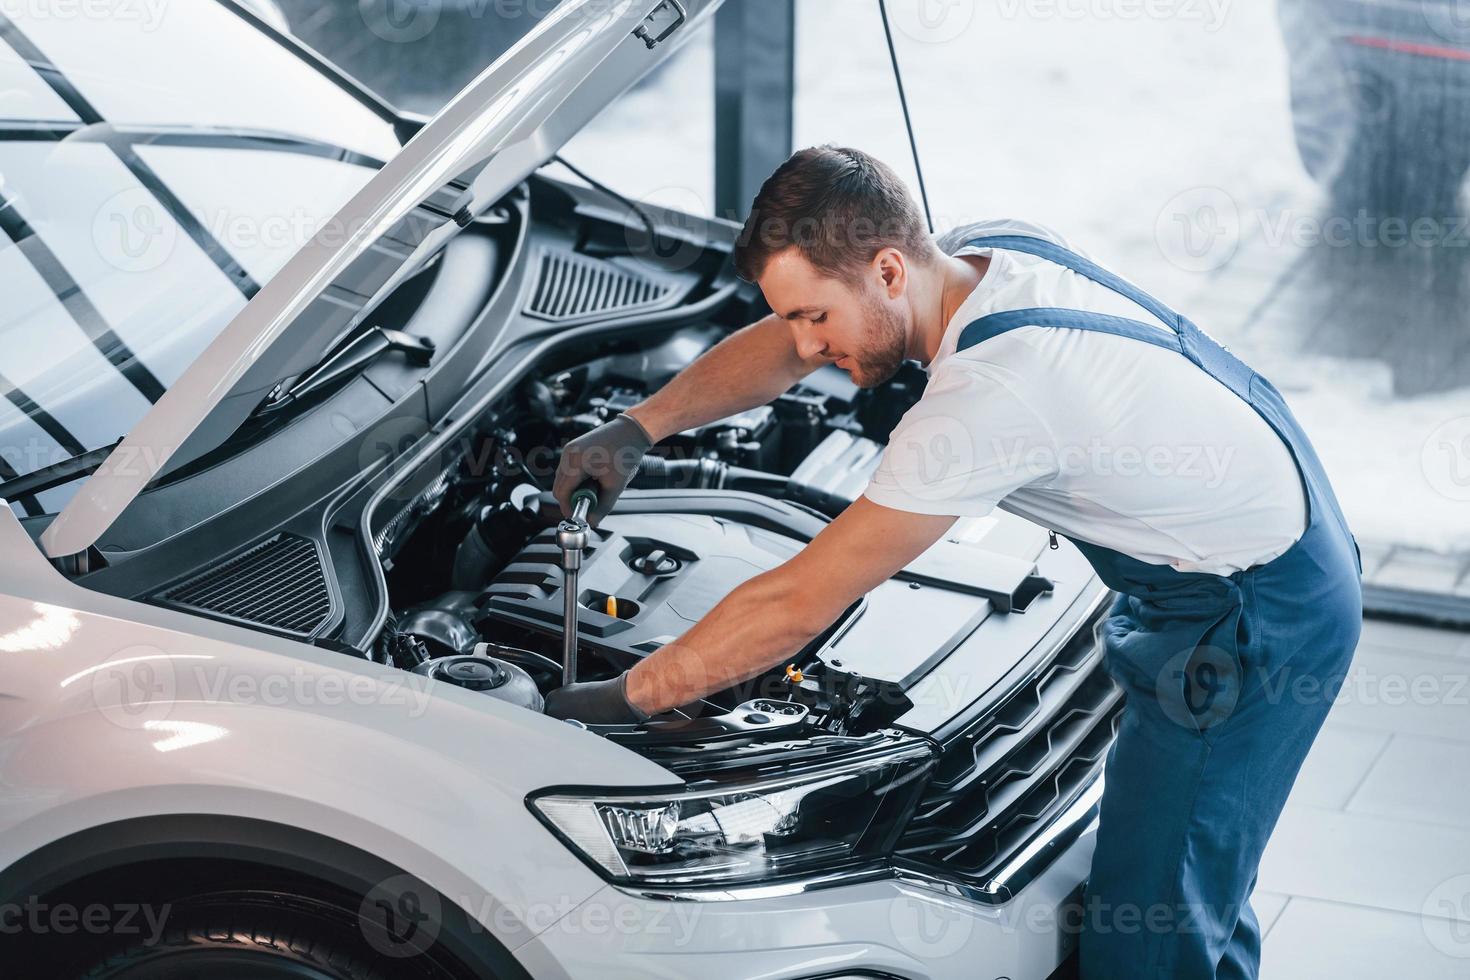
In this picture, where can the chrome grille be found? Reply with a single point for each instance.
(1005, 773)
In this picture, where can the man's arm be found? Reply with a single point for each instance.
(770, 617)
(750, 367)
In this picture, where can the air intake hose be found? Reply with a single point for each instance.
(660, 473)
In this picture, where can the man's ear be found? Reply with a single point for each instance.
(892, 271)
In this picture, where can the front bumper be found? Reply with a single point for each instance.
(984, 884)
(903, 926)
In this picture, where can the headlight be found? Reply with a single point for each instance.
(821, 817)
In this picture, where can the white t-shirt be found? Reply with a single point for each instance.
(1102, 438)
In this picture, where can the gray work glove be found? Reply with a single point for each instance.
(609, 456)
(595, 702)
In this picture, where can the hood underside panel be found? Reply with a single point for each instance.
(501, 127)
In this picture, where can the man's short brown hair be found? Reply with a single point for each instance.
(839, 207)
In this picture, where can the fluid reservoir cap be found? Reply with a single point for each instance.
(473, 673)
(490, 676)
(656, 562)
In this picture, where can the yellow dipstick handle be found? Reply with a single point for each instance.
(793, 675)
(612, 606)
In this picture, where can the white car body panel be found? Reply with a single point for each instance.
(428, 778)
(395, 765)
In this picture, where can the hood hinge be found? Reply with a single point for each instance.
(662, 21)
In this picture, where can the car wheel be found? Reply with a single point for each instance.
(248, 939)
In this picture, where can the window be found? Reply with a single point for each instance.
(146, 192)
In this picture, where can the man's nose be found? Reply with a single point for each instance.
(808, 344)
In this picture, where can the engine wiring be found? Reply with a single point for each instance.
(602, 188)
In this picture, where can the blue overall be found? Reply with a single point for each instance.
(1227, 678)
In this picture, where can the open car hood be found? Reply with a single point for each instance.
(501, 127)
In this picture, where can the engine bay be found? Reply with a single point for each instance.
(423, 536)
(476, 586)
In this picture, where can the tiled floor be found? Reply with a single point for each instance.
(1368, 875)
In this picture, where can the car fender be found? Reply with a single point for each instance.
(114, 710)
(468, 836)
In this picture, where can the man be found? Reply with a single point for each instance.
(1066, 395)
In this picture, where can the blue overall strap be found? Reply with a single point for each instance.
(1179, 334)
(996, 324)
(1053, 252)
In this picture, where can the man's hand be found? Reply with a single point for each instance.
(772, 616)
(609, 456)
(595, 702)
(751, 367)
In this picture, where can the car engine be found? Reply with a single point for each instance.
(477, 586)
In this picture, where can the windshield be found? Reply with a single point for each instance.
(159, 163)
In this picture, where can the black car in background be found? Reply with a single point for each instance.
(1380, 100)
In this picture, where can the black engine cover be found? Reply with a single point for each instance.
(666, 571)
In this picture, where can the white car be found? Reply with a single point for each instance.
(286, 374)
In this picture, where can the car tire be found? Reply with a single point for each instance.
(248, 939)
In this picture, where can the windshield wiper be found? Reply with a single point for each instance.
(352, 357)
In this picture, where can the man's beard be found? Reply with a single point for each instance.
(880, 359)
